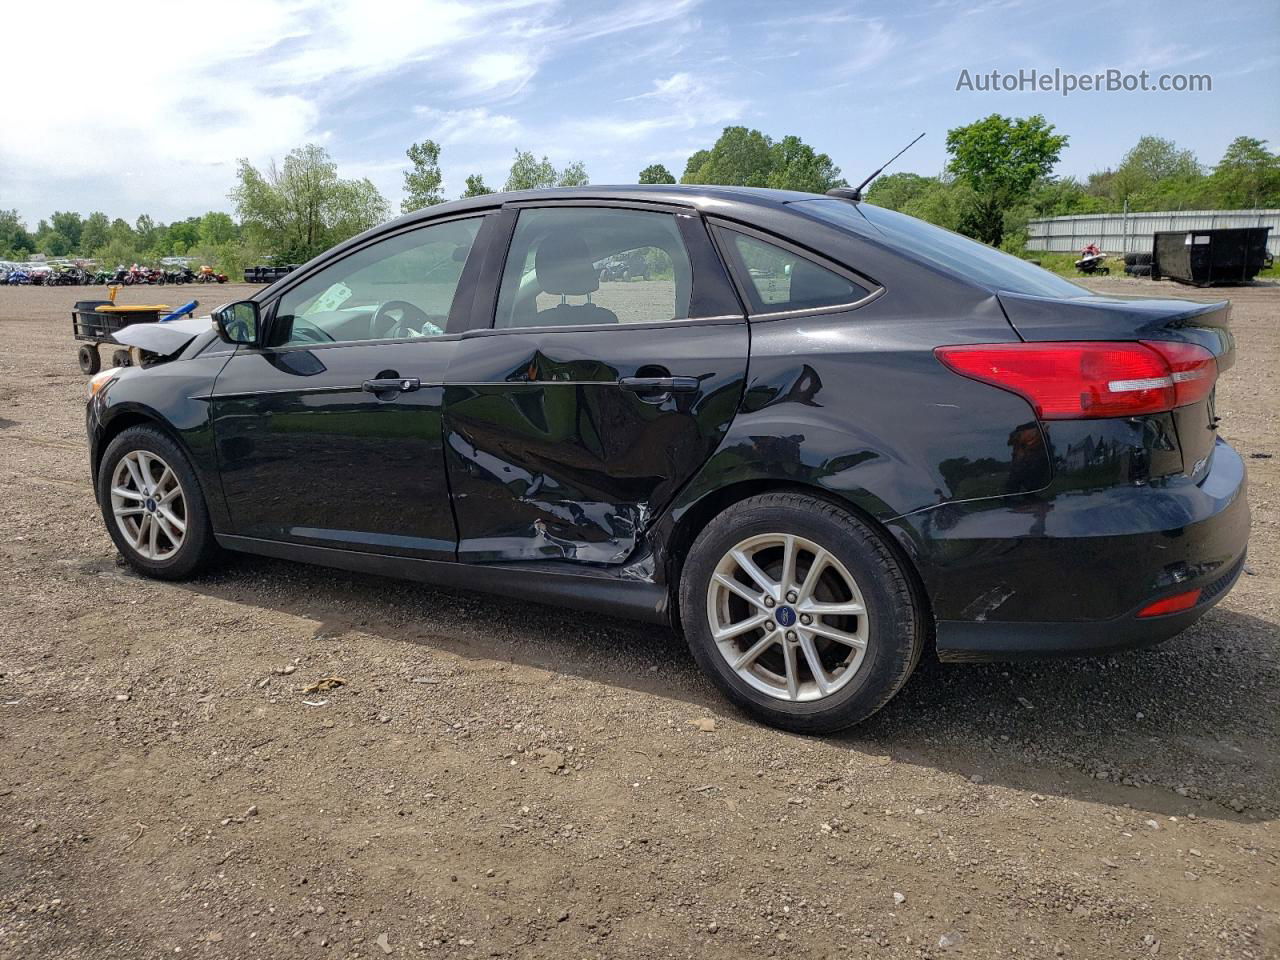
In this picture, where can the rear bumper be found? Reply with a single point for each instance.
(1026, 577)
(959, 640)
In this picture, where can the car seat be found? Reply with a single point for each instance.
(562, 265)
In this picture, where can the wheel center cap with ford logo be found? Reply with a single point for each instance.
(151, 505)
(785, 616)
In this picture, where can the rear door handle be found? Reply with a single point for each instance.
(659, 384)
(389, 384)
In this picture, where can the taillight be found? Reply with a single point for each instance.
(1194, 369)
(1091, 379)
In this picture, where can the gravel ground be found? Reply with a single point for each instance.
(496, 779)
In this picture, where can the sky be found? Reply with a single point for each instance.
(149, 113)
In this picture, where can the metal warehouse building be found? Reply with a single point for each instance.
(1131, 232)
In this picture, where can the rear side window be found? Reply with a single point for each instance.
(583, 266)
(780, 280)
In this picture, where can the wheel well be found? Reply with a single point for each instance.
(714, 503)
(122, 422)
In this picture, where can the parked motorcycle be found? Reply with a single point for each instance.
(208, 275)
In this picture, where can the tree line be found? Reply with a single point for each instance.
(998, 175)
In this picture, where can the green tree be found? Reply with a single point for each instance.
(301, 208)
(695, 163)
(1248, 175)
(740, 158)
(476, 187)
(749, 158)
(1000, 159)
(184, 234)
(574, 175)
(49, 241)
(95, 233)
(422, 181)
(656, 173)
(944, 203)
(146, 229)
(1155, 158)
(216, 228)
(121, 232)
(796, 166)
(355, 208)
(1148, 163)
(529, 173)
(15, 241)
(895, 190)
(69, 225)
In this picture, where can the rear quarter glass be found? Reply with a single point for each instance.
(958, 255)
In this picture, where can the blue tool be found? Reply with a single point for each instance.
(186, 310)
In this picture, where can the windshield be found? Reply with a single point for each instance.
(955, 253)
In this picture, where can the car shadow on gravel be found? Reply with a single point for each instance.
(1188, 726)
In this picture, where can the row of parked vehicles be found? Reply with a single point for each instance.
(74, 275)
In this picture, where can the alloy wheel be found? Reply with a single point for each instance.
(149, 505)
(788, 617)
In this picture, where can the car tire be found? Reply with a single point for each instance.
(120, 358)
(89, 359)
(1140, 270)
(135, 496)
(862, 571)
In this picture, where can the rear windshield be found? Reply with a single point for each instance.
(960, 255)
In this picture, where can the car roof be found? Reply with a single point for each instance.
(701, 197)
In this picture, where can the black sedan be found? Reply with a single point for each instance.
(816, 436)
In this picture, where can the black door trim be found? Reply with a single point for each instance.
(610, 594)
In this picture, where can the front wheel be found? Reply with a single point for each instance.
(152, 503)
(800, 613)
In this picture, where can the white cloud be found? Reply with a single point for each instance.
(504, 74)
(153, 117)
(470, 125)
(689, 100)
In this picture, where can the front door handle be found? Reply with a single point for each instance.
(392, 384)
(659, 384)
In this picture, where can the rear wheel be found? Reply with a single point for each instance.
(153, 505)
(120, 358)
(800, 612)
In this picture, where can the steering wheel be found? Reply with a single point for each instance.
(304, 331)
(384, 326)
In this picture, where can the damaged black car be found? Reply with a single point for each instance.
(818, 437)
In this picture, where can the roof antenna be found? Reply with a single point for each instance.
(844, 193)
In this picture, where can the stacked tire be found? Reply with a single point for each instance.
(1137, 264)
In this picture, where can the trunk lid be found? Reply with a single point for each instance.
(1124, 318)
(1139, 318)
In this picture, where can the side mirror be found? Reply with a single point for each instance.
(238, 322)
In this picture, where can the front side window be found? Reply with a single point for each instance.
(577, 266)
(396, 288)
(782, 280)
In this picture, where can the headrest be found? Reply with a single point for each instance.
(562, 265)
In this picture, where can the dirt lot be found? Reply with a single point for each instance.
(504, 780)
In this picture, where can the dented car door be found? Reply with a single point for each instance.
(591, 399)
